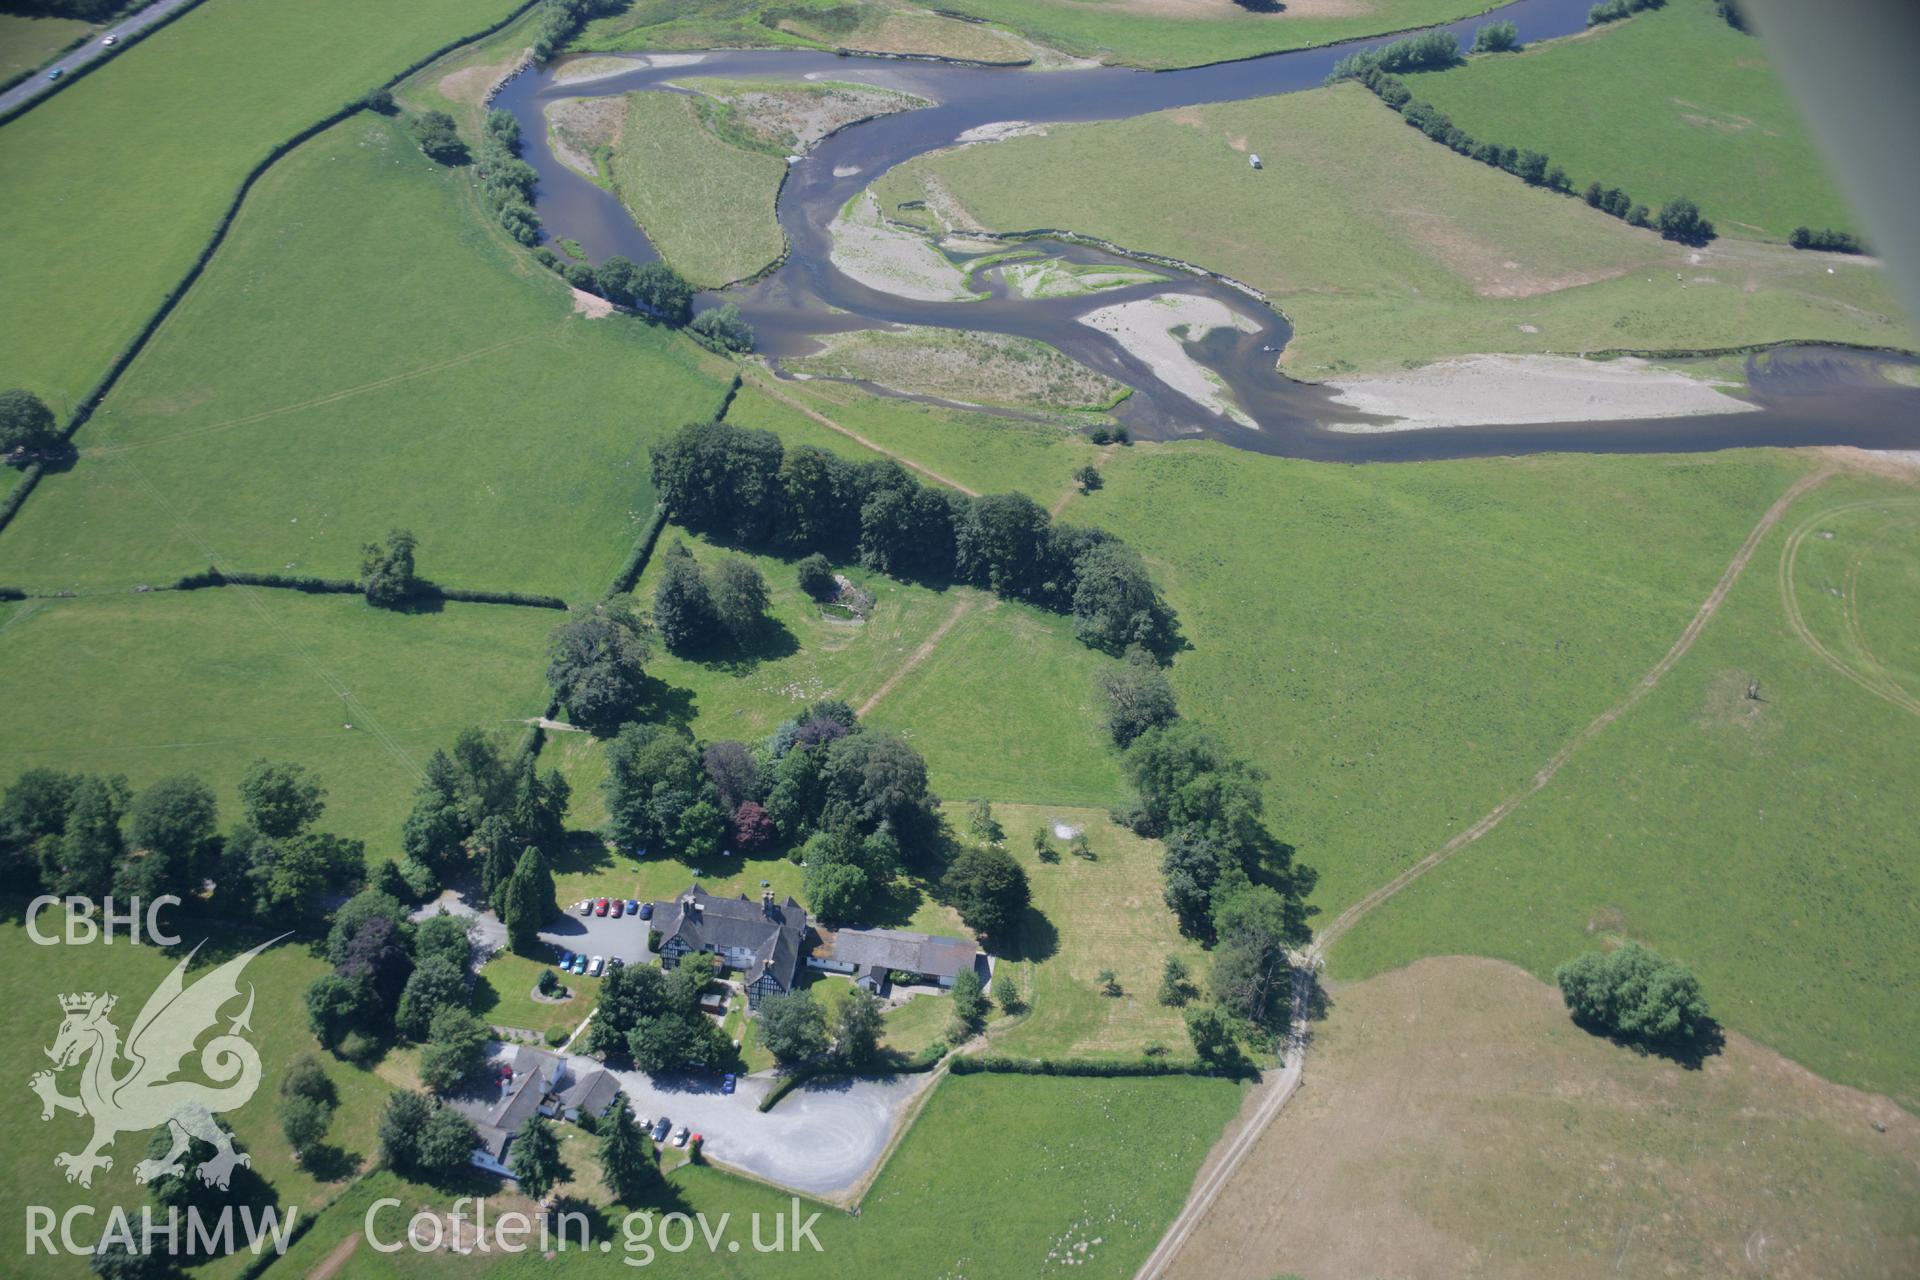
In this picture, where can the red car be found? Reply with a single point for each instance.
(600, 907)
(618, 907)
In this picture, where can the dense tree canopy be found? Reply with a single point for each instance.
(1634, 994)
(596, 664)
(742, 486)
(25, 423)
(387, 572)
(281, 799)
(793, 1027)
(989, 889)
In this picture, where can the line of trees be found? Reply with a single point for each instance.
(89, 834)
(1826, 238)
(1228, 880)
(561, 19)
(506, 181)
(742, 485)
(1428, 51)
(1615, 10)
(1679, 219)
(652, 288)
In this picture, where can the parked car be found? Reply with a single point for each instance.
(584, 906)
(616, 962)
(661, 1128)
(566, 961)
(580, 963)
(600, 908)
(681, 1135)
(595, 967)
(646, 911)
(727, 1082)
(633, 907)
(619, 908)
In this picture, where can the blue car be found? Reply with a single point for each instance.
(633, 906)
(646, 911)
(580, 964)
(726, 1083)
(566, 961)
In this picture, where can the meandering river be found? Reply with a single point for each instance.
(1807, 395)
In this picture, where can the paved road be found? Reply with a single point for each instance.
(37, 84)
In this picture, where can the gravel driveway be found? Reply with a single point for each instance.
(822, 1138)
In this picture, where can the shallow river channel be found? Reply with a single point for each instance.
(1806, 395)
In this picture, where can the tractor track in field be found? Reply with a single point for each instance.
(1869, 673)
(1235, 1150)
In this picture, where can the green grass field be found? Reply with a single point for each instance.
(879, 26)
(114, 185)
(1053, 1164)
(1171, 33)
(38, 976)
(1767, 844)
(455, 393)
(28, 42)
(1384, 248)
(1673, 102)
(204, 682)
(706, 203)
(1104, 913)
(985, 453)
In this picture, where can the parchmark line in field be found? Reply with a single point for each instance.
(362, 715)
(961, 608)
(1710, 606)
(1204, 1194)
(766, 385)
(110, 450)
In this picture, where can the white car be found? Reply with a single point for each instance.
(595, 966)
(584, 906)
(111, 41)
(681, 1135)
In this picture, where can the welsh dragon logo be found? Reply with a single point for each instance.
(144, 1094)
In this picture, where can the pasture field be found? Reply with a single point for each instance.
(1056, 1164)
(1766, 842)
(1176, 33)
(1673, 102)
(1005, 707)
(38, 975)
(878, 26)
(1437, 255)
(205, 682)
(979, 451)
(115, 184)
(705, 202)
(238, 437)
(1093, 914)
(28, 42)
(1457, 1122)
(1401, 647)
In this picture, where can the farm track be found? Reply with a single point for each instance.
(1208, 1190)
(1869, 673)
(961, 609)
(766, 384)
